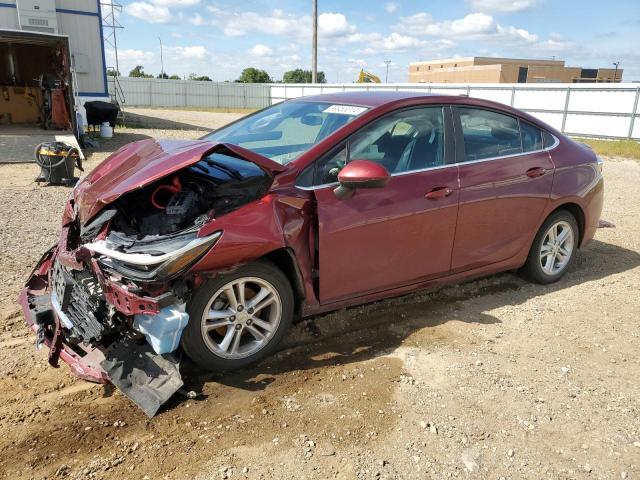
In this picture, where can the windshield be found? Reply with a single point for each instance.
(285, 131)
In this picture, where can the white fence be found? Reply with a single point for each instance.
(597, 110)
(154, 92)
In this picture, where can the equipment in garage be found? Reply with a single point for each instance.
(57, 162)
(36, 86)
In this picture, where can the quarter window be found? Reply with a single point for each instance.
(531, 137)
(488, 134)
(403, 141)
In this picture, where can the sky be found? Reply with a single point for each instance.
(219, 38)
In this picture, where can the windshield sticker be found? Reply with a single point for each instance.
(344, 109)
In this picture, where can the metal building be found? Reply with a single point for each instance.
(35, 33)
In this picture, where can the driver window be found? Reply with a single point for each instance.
(402, 142)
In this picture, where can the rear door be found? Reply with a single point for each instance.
(398, 234)
(505, 185)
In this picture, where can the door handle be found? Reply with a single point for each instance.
(536, 172)
(438, 192)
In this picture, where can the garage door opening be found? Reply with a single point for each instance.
(35, 81)
(36, 93)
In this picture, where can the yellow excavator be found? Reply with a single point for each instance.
(366, 77)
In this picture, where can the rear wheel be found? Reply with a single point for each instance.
(553, 248)
(238, 318)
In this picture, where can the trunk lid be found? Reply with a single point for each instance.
(140, 163)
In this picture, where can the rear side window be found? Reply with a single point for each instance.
(531, 137)
(488, 134)
(548, 140)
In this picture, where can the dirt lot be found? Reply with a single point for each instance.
(493, 379)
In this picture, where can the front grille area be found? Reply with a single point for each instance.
(82, 301)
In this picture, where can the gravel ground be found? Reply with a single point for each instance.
(495, 378)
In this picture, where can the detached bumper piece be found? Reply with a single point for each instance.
(147, 378)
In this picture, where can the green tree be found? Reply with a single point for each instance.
(175, 77)
(253, 75)
(138, 72)
(301, 76)
(200, 78)
(112, 72)
(163, 75)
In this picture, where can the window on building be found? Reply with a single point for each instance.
(523, 73)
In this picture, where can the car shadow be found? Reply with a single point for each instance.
(365, 332)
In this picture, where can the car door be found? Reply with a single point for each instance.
(505, 184)
(401, 233)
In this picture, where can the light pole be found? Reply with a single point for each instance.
(314, 44)
(615, 73)
(161, 61)
(386, 75)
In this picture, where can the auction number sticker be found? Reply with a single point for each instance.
(344, 109)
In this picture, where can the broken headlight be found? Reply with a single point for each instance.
(154, 260)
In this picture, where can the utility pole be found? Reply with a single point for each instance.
(161, 61)
(615, 73)
(386, 75)
(314, 44)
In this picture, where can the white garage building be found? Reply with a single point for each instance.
(45, 37)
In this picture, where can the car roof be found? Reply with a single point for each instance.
(369, 99)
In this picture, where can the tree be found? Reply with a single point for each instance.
(200, 78)
(175, 77)
(163, 75)
(301, 76)
(253, 75)
(112, 72)
(138, 72)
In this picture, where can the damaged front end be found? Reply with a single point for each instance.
(110, 299)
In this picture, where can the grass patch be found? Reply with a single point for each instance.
(614, 148)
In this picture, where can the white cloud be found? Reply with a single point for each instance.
(474, 26)
(334, 24)
(197, 20)
(149, 13)
(395, 41)
(260, 50)
(391, 7)
(175, 3)
(502, 5)
(194, 52)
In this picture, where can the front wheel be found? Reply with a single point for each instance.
(553, 248)
(238, 318)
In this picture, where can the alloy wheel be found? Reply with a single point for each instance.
(241, 317)
(556, 248)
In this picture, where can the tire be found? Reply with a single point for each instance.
(552, 266)
(214, 342)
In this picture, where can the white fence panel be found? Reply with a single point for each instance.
(540, 99)
(597, 125)
(602, 110)
(612, 101)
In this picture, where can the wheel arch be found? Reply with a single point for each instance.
(577, 212)
(285, 259)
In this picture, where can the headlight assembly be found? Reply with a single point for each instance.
(154, 260)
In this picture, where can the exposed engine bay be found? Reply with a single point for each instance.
(216, 185)
(111, 298)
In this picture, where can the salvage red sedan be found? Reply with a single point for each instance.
(214, 246)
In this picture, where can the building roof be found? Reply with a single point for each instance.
(488, 59)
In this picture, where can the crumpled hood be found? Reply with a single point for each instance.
(141, 163)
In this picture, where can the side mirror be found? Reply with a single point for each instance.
(360, 174)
